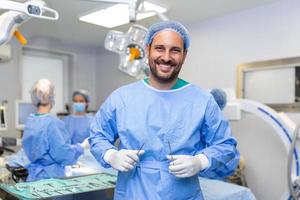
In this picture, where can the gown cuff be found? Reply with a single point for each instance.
(108, 154)
(204, 161)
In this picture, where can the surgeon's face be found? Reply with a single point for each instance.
(166, 55)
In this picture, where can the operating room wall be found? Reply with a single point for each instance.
(218, 45)
(82, 64)
(10, 89)
(82, 73)
(109, 77)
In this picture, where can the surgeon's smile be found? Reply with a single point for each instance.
(165, 67)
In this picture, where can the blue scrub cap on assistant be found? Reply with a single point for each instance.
(168, 25)
(42, 93)
(220, 97)
(82, 93)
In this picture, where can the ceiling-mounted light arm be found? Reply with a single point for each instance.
(132, 10)
(142, 10)
(19, 13)
(133, 6)
(9, 22)
(113, 1)
(33, 8)
(11, 5)
(160, 15)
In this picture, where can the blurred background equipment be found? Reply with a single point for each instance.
(18, 14)
(255, 123)
(3, 118)
(23, 110)
(293, 180)
(5, 53)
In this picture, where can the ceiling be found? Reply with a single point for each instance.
(70, 30)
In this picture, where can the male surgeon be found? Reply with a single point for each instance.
(169, 129)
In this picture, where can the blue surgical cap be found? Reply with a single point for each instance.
(82, 93)
(220, 97)
(168, 25)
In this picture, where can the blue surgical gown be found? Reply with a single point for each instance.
(78, 127)
(48, 147)
(188, 118)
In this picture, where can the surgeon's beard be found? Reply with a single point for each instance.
(165, 79)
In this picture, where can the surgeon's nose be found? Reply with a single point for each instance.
(166, 57)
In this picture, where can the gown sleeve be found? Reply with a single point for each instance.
(220, 145)
(60, 148)
(103, 130)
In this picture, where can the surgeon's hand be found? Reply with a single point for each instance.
(183, 166)
(85, 144)
(123, 160)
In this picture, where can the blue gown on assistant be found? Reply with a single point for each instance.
(188, 118)
(48, 148)
(78, 127)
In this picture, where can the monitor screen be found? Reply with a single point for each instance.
(3, 119)
(23, 110)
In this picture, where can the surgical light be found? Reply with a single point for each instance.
(117, 15)
(130, 47)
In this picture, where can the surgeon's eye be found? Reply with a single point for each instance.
(159, 48)
(176, 50)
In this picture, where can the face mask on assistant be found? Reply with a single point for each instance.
(79, 107)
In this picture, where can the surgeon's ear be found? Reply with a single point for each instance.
(147, 49)
(184, 55)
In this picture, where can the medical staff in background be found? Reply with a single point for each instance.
(45, 139)
(220, 97)
(78, 122)
(169, 129)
